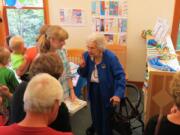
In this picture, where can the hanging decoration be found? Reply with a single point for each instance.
(21, 1)
(18, 5)
(10, 2)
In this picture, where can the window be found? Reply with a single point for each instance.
(25, 19)
(178, 39)
(176, 26)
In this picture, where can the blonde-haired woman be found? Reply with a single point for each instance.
(53, 41)
(170, 124)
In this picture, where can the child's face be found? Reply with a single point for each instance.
(6, 59)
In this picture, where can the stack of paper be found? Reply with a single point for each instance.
(75, 106)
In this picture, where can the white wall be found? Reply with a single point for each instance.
(77, 35)
(142, 14)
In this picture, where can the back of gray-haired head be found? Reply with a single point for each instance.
(41, 93)
(98, 39)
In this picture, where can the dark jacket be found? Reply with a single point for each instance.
(110, 72)
(62, 122)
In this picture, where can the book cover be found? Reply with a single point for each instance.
(113, 8)
(75, 106)
(102, 8)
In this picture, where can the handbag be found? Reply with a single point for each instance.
(119, 122)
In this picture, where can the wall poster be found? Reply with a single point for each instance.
(72, 17)
(109, 17)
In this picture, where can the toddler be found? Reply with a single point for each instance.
(7, 79)
(17, 56)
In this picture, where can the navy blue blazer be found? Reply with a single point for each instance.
(110, 72)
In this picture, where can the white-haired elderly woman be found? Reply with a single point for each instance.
(105, 82)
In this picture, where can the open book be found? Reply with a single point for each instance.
(75, 106)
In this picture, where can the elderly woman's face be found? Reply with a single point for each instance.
(93, 50)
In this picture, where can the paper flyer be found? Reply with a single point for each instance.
(72, 17)
(123, 25)
(109, 38)
(161, 30)
(75, 106)
(102, 8)
(93, 8)
(113, 8)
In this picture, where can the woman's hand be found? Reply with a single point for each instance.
(174, 109)
(115, 100)
(82, 62)
(72, 95)
(1, 101)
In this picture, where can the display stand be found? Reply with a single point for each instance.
(156, 85)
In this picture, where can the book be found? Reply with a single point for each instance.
(102, 8)
(75, 106)
(113, 8)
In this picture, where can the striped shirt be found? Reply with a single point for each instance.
(66, 73)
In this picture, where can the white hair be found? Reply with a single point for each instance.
(41, 93)
(98, 39)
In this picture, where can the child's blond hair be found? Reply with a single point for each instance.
(15, 43)
(4, 55)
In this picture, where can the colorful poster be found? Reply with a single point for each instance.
(96, 23)
(77, 16)
(74, 17)
(93, 8)
(110, 19)
(111, 25)
(122, 38)
(65, 15)
(113, 8)
(102, 25)
(62, 15)
(109, 38)
(102, 8)
(107, 8)
(123, 25)
(124, 6)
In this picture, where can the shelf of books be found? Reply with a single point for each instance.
(109, 17)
